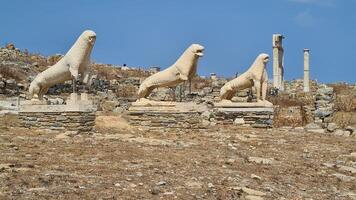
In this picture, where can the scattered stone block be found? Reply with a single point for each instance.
(259, 160)
(332, 127)
(253, 192)
(239, 121)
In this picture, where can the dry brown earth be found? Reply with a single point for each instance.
(223, 162)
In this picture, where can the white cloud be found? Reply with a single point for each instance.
(305, 19)
(315, 2)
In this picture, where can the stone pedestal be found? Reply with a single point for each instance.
(250, 114)
(76, 115)
(166, 114)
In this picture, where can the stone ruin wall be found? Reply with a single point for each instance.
(59, 121)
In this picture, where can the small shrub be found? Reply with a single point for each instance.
(9, 72)
(345, 103)
(126, 91)
(344, 119)
(8, 121)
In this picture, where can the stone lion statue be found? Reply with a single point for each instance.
(256, 76)
(75, 62)
(183, 69)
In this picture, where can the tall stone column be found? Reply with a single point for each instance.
(278, 70)
(306, 70)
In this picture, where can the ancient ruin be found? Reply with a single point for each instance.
(278, 61)
(182, 70)
(78, 114)
(224, 130)
(74, 63)
(306, 70)
(257, 114)
(256, 76)
(145, 112)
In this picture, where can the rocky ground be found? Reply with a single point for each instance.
(222, 162)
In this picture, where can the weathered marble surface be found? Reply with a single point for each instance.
(75, 62)
(182, 70)
(256, 76)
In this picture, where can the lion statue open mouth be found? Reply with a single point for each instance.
(256, 76)
(75, 62)
(182, 70)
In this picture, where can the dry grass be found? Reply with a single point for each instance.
(290, 110)
(345, 100)
(300, 99)
(200, 83)
(8, 73)
(110, 72)
(344, 119)
(126, 91)
(289, 116)
(342, 89)
(346, 103)
(8, 121)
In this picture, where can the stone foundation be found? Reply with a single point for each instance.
(255, 117)
(151, 119)
(79, 118)
(166, 114)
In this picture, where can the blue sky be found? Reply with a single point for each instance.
(154, 33)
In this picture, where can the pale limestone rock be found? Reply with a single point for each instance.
(256, 76)
(344, 177)
(332, 127)
(229, 104)
(340, 132)
(230, 161)
(353, 155)
(346, 169)
(75, 62)
(320, 130)
(259, 160)
(312, 126)
(254, 176)
(67, 134)
(253, 192)
(193, 184)
(252, 197)
(239, 121)
(182, 70)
